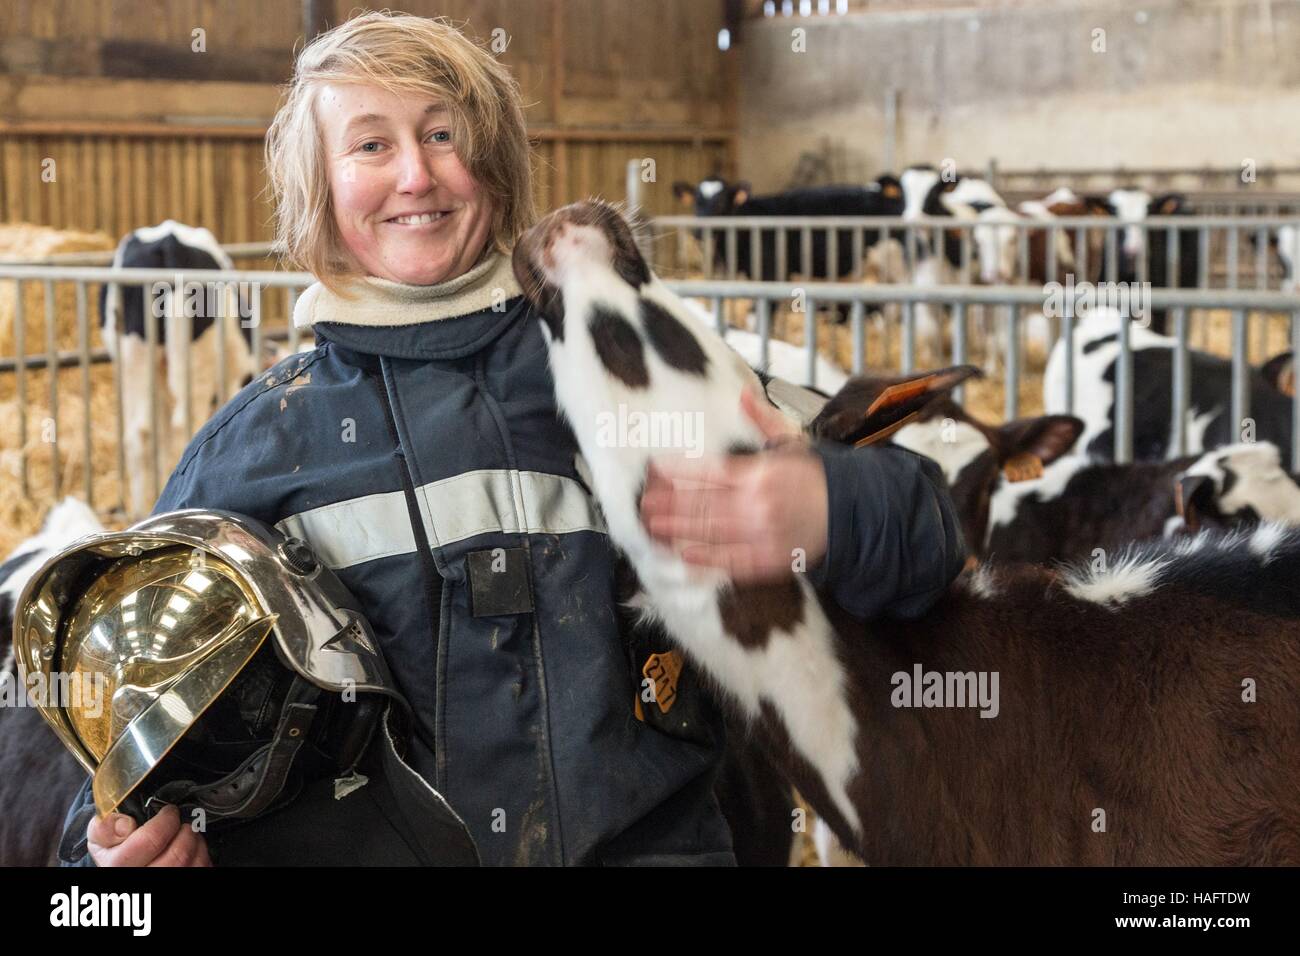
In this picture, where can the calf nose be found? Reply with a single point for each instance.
(574, 243)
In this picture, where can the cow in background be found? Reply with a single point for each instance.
(181, 347)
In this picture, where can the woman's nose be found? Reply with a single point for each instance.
(416, 175)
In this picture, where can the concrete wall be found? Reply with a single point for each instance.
(1180, 83)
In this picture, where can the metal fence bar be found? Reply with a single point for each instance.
(1011, 379)
(1124, 394)
(959, 343)
(83, 349)
(20, 383)
(907, 349)
(151, 353)
(764, 329)
(857, 320)
(1182, 384)
(1240, 372)
(810, 338)
(1067, 334)
(806, 256)
(52, 370)
(1295, 399)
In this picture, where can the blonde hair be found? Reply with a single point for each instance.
(406, 55)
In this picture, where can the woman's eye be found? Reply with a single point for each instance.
(441, 136)
(366, 147)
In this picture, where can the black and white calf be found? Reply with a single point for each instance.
(1022, 496)
(1134, 206)
(38, 776)
(188, 352)
(1208, 421)
(928, 192)
(1025, 709)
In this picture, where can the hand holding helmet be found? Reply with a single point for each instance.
(116, 840)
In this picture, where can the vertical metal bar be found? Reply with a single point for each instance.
(755, 254)
(1081, 254)
(806, 256)
(52, 370)
(1240, 373)
(1124, 394)
(1022, 250)
(959, 344)
(118, 419)
(764, 330)
(1053, 237)
(810, 339)
(907, 354)
(187, 371)
(256, 319)
(1232, 257)
(20, 383)
(1295, 400)
(1182, 383)
(909, 252)
(83, 356)
(1203, 254)
(857, 319)
(1261, 258)
(1067, 333)
(719, 317)
(151, 351)
(1012, 381)
(1143, 255)
(859, 253)
(965, 256)
(708, 254)
(1172, 252)
(1112, 253)
(832, 254)
(782, 273)
(732, 241)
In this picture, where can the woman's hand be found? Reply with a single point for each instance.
(758, 517)
(117, 840)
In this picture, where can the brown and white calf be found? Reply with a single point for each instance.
(1022, 494)
(1148, 713)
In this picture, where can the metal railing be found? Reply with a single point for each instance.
(84, 357)
(1234, 251)
(857, 297)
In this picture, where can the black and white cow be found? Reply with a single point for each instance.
(1135, 205)
(1091, 693)
(186, 250)
(1208, 424)
(38, 776)
(928, 192)
(716, 197)
(1064, 506)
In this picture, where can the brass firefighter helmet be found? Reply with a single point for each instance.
(147, 651)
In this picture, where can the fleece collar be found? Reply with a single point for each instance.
(380, 303)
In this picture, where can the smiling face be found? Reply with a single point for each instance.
(406, 208)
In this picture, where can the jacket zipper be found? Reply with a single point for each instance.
(428, 569)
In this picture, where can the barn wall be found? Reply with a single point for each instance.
(140, 127)
(1180, 83)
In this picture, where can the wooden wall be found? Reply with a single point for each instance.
(140, 127)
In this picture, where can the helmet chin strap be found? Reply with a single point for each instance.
(252, 787)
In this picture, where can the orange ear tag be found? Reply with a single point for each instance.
(895, 395)
(1023, 467)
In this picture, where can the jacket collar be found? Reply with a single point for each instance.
(443, 321)
(379, 302)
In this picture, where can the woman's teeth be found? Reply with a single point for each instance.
(421, 219)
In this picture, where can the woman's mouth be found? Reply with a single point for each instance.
(419, 219)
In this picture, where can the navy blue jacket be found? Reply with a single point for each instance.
(401, 453)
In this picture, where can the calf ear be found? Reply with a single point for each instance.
(1098, 206)
(1027, 444)
(869, 410)
(740, 196)
(1279, 371)
(684, 192)
(1167, 205)
(1193, 497)
(891, 189)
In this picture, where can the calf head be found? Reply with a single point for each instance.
(1279, 373)
(976, 458)
(713, 196)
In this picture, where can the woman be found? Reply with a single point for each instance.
(418, 448)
